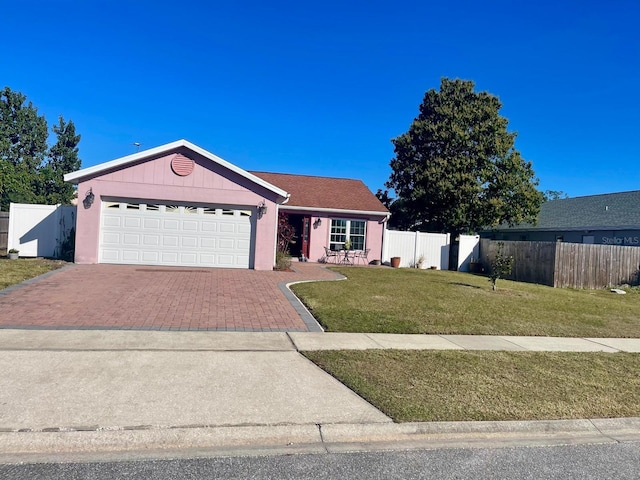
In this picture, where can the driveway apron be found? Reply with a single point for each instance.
(158, 298)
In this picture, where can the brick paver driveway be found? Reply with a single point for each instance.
(158, 298)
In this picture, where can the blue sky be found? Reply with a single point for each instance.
(320, 88)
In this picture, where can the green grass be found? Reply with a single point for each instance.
(442, 302)
(16, 271)
(426, 386)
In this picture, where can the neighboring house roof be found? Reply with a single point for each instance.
(325, 193)
(80, 175)
(610, 211)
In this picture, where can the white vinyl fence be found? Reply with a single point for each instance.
(433, 248)
(39, 230)
(468, 251)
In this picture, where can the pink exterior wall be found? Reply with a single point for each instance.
(319, 237)
(153, 179)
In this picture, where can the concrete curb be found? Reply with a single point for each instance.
(200, 441)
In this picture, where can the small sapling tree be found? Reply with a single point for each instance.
(501, 266)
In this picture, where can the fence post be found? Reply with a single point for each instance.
(385, 244)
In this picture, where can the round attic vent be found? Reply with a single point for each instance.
(182, 165)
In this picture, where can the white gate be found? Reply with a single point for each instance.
(39, 230)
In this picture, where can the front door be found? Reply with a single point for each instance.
(306, 223)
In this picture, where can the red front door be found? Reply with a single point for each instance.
(306, 230)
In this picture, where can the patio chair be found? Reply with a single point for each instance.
(363, 254)
(329, 254)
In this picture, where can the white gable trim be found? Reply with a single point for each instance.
(77, 176)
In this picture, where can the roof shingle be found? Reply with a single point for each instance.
(324, 192)
(606, 211)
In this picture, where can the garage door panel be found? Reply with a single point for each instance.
(209, 227)
(208, 242)
(111, 221)
(226, 243)
(130, 255)
(151, 257)
(169, 258)
(171, 224)
(168, 235)
(131, 239)
(190, 226)
(111, 238)
(151, 240)
(189, 242)
(132, 222)
(110, 255)
(225, 260)
(151, 224)
(170, 241)
(207, 259)
(189, 258)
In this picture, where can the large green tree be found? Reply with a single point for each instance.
(456, 170)
(62, 158)
(30, 172)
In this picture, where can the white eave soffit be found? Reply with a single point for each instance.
(335, 210)
(77, 176)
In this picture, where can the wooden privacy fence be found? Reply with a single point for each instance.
(596, 266)
(4, 230)
(576, 265)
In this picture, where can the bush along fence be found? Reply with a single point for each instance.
(560, 264)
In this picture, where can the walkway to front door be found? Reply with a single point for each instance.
(158, 298)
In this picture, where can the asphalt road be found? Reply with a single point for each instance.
(606, 461)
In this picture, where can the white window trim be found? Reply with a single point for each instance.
(348, 231)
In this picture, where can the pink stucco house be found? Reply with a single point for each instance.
(181, 205)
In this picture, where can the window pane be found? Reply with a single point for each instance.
(357, 234)
(357, 227)
(338, 234)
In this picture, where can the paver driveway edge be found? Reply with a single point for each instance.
(29, 281)
(308, 319)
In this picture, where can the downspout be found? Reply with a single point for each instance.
(383, 253)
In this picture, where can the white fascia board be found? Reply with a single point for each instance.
(335, 210)
(74, 177)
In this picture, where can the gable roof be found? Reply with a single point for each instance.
(610, 211)
(325, 193)
(80, 175)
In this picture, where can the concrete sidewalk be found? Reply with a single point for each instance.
(94, 340)
(90, 394)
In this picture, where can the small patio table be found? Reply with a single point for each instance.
(347, 257)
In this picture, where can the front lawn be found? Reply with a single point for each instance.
(426, 386)
(16, 271)
(442, 302)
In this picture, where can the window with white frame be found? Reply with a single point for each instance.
(342, 231)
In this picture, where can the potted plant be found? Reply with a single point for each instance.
(13, 254)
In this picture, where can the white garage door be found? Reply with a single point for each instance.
(155, 234)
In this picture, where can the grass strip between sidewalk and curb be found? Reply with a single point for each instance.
(385, 300)
(429, 386)
(13, 272)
